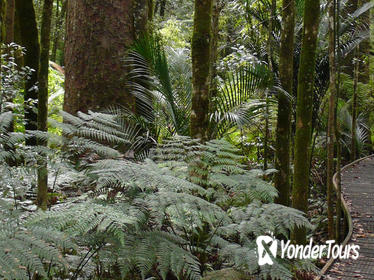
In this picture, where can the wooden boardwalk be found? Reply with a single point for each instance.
(358, 190)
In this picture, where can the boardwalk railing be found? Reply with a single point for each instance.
(347, 216)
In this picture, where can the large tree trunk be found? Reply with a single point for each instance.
(30, 40)
(282, 157)
(201, 66)
(304, 111)
(42, 198)
(98, 36)
(331, 119)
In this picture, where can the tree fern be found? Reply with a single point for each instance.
(215, 165)
(27, 250)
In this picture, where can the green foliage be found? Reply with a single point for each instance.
(165, 99)
(153, 219)
(162, 85)
(12, 76)
(27, 249)
(237, 104)
(56, 96)
(108, 135)
(345, 127)
(175, 34)
(216, 166)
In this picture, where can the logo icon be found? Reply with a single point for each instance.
(267, 246)
(263, 254)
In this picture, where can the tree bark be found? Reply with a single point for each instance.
(304, 109)
(371, 53)
(272, 16)
(30, 40)
(286, 70)
(57, 36)
(356, 64)
(57, 28)
(217, 7)
(201, 66)
(2, 20)
(98, 36)
(337, 129)
(9, 36)
(331, 119)
(42, 197)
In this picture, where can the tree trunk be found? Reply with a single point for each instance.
(356, 64)
(98, 36)
(201, 64)
(304, 109)
(30, 40)
(364, 49)
(162, 8)
(371, 54)
(337, 129)
(56, 34)
(270, 65)
(2, 20)
(9, 36)
(42, 198)
(331, 119)
(217, 7)
(282, 156)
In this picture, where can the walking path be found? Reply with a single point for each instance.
(358, 191)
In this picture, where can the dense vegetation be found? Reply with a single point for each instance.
(145, 139)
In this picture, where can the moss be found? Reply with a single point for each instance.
(282, 160)
(42, 198)
(201, 66)
(304, 109)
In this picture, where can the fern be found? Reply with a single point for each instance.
(216, 166)
(189, 207)
(108, 135)
(27, 250)
(148, 249)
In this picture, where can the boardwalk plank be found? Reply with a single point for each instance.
(358, 190)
